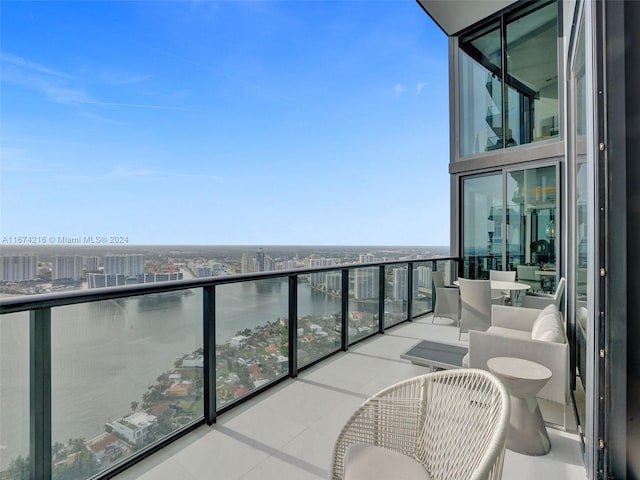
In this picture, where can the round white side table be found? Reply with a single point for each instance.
(523, 379)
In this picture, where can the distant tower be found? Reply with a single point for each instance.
(66, 267)
(400, 283)
(92, 263)
(18, 268)
(367, 258)
(260, 260)
(245, 264)
(129, 265)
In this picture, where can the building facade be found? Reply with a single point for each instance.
(18, 268)
(66, 267)
(128, 265)
(544, 109)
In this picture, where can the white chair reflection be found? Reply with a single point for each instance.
(501, 296)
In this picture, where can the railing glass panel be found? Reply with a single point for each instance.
(252, 336)
(319, 315)
(125, 373)
(364, 300)
(422, 286)
(14, 395)
(396, 294)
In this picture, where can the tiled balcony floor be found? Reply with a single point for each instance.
(288, 432)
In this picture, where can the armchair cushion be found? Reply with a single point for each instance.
(370, 462)
(547, 326)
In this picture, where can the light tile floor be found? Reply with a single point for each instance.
(289, 431)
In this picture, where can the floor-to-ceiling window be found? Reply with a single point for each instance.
(509, 80)
(482, 225)
(517, 231)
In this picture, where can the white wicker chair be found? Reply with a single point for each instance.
(448, 425)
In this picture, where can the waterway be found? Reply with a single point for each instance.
(106, 354)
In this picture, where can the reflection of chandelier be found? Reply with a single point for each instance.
(551, 229)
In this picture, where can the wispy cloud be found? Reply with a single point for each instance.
(32, 66)
(420, 87)
(398, 89)
(137, 105)
(63, 88)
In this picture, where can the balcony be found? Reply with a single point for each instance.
(277, 411)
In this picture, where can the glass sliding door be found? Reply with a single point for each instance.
(580, 226)
(516, 231)
(531, 226)
(482, 225)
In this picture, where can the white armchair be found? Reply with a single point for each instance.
(531, 334)
(450, 424)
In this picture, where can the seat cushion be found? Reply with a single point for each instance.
(509, 332)
(368, 462)
(548, 326)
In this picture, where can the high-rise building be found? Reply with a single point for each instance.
(129, 265)
(366, 284)
(245, 264)
(66, 267)
(18, 268)
(260, 260)
(92, 264)
(101, 280)
(203, 271)
(400, 283)
(367, 258)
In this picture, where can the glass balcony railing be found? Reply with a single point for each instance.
(94, 381)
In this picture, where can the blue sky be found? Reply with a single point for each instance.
(227, 122)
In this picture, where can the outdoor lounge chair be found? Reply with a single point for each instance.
(447, 299)
(475, 305)
(450, 424)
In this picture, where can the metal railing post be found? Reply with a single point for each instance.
(344, 340)
(293, 326)
(381, 284)
(209, 348)
(410, 291)
(40, 393)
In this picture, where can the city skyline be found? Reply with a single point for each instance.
(224, 123)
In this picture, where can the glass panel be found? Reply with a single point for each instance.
(364, 300)
(319, 315)
(14, 396)
(252, 336)
(531, 226)
(482, 225)
(481, 92)
(396, 295)
(422, 288)
(526, 94)
(532, 76)
(450, 271)
(581, 227)
(125, 373)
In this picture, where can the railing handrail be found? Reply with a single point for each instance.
(58, 299)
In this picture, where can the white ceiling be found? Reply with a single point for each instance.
(452, 16)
